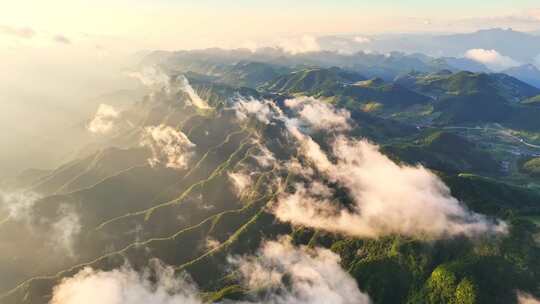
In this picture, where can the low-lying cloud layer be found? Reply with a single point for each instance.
(66, 229)
(319, 115)
(196, 100)
(157, 80)
(387, 198)
(314, 275)
(240, 181)
(525, 298)
(57, 232)
(104, 122)
(18, 205)
(297, 45)
(264, 110)
(125, 286)
(170, 147)
(20, 32)
(491, 58)
(152, 78)
(280, 272)
(265, 158)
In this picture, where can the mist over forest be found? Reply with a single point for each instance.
(269, 153)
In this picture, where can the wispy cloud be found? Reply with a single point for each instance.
(157, 80)
(170, 147)
(318, 115)
(104, 121)
(59, 231)
(535, 14)
(537, 61)
(195, 99)
(61, 39)
(262, 110)
(153, 78)
(388, 198)
(491, 58)
(287, 274)
(280, 272)
(525, 298)
(265, 158)
(66, 229)
(18, 205)
(240, 181)
(126, 286)
(361, 39)
(301, 44)
(19, 32)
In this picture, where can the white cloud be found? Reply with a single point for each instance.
(314, 275)
(361, 39)
(265, 157)
(153, 78)
(302, 44)
(58, 232)
(61, 39)
(264, 111)
(525, 298)
(537, 61)
(18, 205)
(104, 120)
(534, 13)
(491, 58)
(280, 272)
(240, 181)
(65, 230)
(169, 147)
(125, 286)
(19, 32)
(250, 45)
(319, 115)
(196, 100)
(388, 198)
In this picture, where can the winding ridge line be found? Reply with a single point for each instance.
(237, 233)
(122, 251)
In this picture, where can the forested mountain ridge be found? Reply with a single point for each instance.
(386, 191)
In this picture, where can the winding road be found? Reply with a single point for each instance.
(501, 131)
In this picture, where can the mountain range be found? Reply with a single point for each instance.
(266, 177)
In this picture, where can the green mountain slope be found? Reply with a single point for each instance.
(466, 83)
(345, 87)
(196, 218)
(447, 152)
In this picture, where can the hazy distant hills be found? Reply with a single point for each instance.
(523, 47)
(373, 57)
